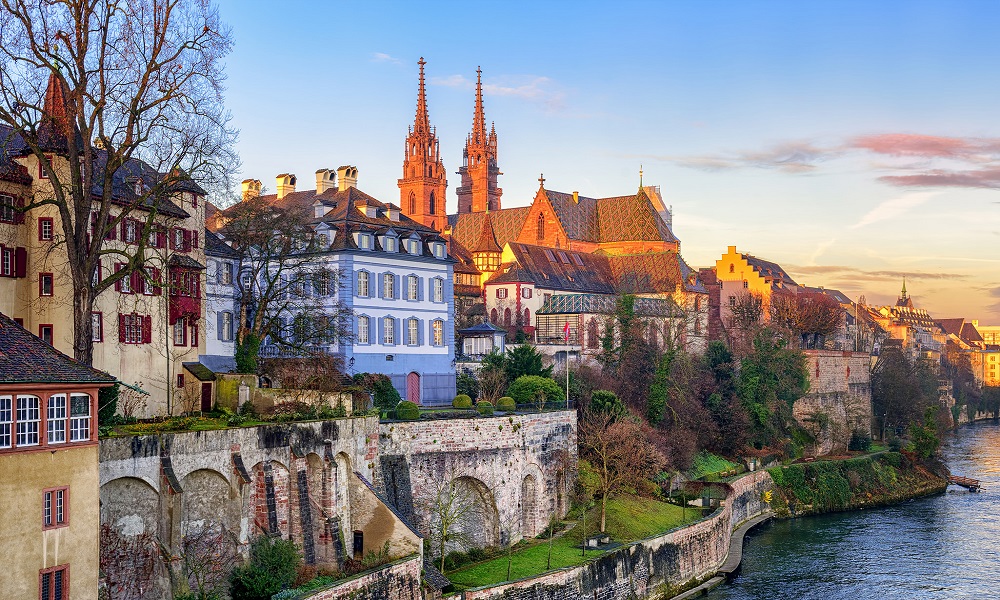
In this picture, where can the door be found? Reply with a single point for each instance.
(413, 387)
(206, 397)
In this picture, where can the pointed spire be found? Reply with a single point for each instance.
(487, 237)
(541, 181)
(422, 121)
(479, 118)
(904, 287)
(640, 176)
(54, 129)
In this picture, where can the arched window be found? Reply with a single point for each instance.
(506, 316)
(413, 203)
(527, 317)
(592, 333)
(540, 228)
(431, 208)
(493, 316)
(732, 268)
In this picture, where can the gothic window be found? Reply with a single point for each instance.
(732, 268)
(431, 210)
(493, 315)
(540, 228)
(527, 317)
(413, 203)
(506, 317)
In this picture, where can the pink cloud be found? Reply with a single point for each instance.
(982, 178)
(908, 144)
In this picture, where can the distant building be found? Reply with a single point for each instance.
(49, 461)
(221, 304)
(915, 329)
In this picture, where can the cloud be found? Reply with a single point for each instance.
(894, 207)
(533, 88)
(854, 274)
(929, 146)
(452, 81)
(988, 178)
(382, 57)
(789, 157)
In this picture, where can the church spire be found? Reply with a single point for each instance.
(423, 185)
(904, 288)
(421, 122)
(478, 116)
(479, 171)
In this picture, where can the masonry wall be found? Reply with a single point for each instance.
(399, 581)
(517, 469)
(653, 568)
(222, 488)
(839, 400)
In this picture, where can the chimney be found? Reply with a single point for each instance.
(576, 197)
(326, 179)
(348, 177)
(251, 188)
(393, 211)
(284, 184)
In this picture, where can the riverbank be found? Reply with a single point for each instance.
(853, 484)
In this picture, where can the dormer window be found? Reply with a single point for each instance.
(324, 241)
(413, 246)
(390, 243)
(363, 240)
(438, 249)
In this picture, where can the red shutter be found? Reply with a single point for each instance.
(187, 240)
(136, 282)
(20, 262)
(19, 215)
(194, 239)
(124, 224)
(161, 239)
(118, 283)
(194, 335)
(173, 239)
(147, 329)
(121, 327)
(157, 282)
(111, 230)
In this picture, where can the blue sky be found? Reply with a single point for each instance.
(851, 142)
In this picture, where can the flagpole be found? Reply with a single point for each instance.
(566, 339)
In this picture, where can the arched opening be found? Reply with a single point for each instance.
(527, 317)
(540, 227)
(432, 207)
(413, 387)
(529, 492)
(506, 317)
(128, 538)
(493, 316)
(341, 491)
(413, 203)
(477, 524)
(592, 337)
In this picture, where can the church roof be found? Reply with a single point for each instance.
(557, 269)
(507, 224)
(653, 272)
(487, 239)
(25, 358)
(631, 218)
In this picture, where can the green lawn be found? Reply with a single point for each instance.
(629, 519)
(706, 464)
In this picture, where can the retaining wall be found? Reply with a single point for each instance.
(839, 400)
(399, 581)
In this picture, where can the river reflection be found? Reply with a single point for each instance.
(947, 546)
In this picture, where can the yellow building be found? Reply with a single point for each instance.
(145, 327)
(49, 492)
(739, 273)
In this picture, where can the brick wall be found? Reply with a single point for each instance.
(652, 568)
(839, 400)
(399, 581)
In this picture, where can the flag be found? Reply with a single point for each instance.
(566, 331)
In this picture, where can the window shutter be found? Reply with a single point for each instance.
(18, 214)
(161, 239)
(136, 281)
(381, 285)
(147, 329)
(218, 271)
(20, 262)
(118, 283)
(187, 240)
(395, 287)
(420, 332)
(157, 282)
(420, 288)
(121, 328)
(219, 334)
(397, 331)
(110, 235)
(381, 330)
(124, 224)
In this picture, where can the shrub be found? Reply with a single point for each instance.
(407, 411)
(248, 410)
(484, 408)
(860, 441)
(454, 560)
(273, 566)
(462, 401)
(380, 387)
(107, 404)
(467, 384)
(246, 354)
(476, 554)
(607, 402)
(525, 388)
(506, 404)
(895, 444)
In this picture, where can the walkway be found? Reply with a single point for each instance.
(733, 560)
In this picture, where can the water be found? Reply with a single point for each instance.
(947, 546)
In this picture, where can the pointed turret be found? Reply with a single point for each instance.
(486, 253)
(479, 171)
(54, 129)
(423, 185)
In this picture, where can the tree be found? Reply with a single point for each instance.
(272, 567)
(772, 377)
(285, 297)
(902, 387)
(132, 114)
(620, 454)
(449, 503)
(746, 314)
(524, 360)
(805, 318)
(492, 383)
(526, 389)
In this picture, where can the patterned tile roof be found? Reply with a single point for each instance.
(579, 218)
(599, 304)
(24, 358)
(507, 224)
(631, 218)
(653, 273)
(463, 258)
(558, 269)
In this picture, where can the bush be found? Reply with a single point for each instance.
(476, 554)
(525, 388)
(246, 354)
(454, 560)
(407, 411)
(273, 566)
(462, 401)
(895, 444)
(506, 404)
(380, 387)
(484, 408)
(603, 401)
(107, 405)
(860, 441)
(467, 384)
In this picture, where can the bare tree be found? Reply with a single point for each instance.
(492, 383)
(131, 114)
(746, 314)
(128, 563)
(450, 503)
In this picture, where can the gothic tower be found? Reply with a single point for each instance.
(422, 187)
(479, 191)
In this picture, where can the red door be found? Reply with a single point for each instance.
(206, 397)
(413, 387)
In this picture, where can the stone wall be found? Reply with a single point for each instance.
(653, 568)
(303, 481)
(839, 400)
(399, 581)
(517, 470)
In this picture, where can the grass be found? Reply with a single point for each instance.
(629, 519)
(706, 464)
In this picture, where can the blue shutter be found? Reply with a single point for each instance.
(372, 332)
(218, 327)
(381, 284)
(396, 329)
(420, 332)
(395, 287)
(381, 330)
(420, 288)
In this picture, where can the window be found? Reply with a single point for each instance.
(526, 292)
(439, 290)
(390, 243)
(178, 239)
(6, 420)
(438, 329)
(180, 380)
(79, 417)
(506, 317)
(411, 287)
(438, 250)
(413, 202)
(180, 332)
(540, 229)
(732, 268)
(226, 326)
(412, 332)
(501, 293)
(364, 241)
(151, 283)
(45, 284)
(45, 229)
(363, 325)
(28, 420)
(388, 281)
(53, 583)
(96, 327)
(363, 284)
(130, 231)
(226, 273)
(432, 208)
(413, 246)
(55, 424)
(7, 265)
(45, 332)
(732, 301)
(134, 329)
(55, 508)
(389, 333)
(746, 284)
(194, 334)
(8, 212)
(125, 283)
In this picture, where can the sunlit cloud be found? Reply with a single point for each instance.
(790, 157)
(843, 273)
(533, 88)
(894, 207)
(382, 57)
(979, 178)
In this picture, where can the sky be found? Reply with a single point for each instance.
(853, 143)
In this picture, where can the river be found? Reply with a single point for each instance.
(946, 546)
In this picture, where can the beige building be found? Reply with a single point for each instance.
(145, 326)
(48, 457)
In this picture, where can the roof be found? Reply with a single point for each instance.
(485, 328)
(652, 273)
(215, 246)
(180, 260)
(631, 218)
(557, 269)
(769, 269)
(507, 224)
(24, 358)
(487, 241)
(560, 304)
(200, 371)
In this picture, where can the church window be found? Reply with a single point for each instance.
(732, 268)
(540, 228)
(506, 317)
(413, 203)
(527, 317)
(431, 208)
(493, 315)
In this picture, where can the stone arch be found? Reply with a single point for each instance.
(529, 506)
(208, 497)
(129, 559)
(209, 527)
(341, 494)
(320, 481)
(478, 526)
(268, 506)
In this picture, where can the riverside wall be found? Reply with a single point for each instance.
(657, 567)
(399, 580)
(839, 400)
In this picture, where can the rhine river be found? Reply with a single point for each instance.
(946, 546)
